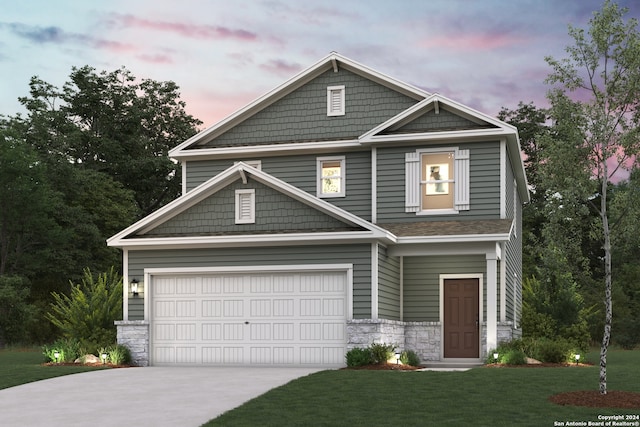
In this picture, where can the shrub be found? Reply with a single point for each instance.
(119, 355)
(410, 357)
(509, 352)
(359, 357)
(553, 351)
(68, 351)
(382, 352)
(88, 313)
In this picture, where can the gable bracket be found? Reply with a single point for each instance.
(436, 107)
(243, 175)
(334, 62)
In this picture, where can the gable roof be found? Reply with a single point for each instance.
(331, 61)
(483, 127)
(136, 236)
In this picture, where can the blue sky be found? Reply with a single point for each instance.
(224, 54)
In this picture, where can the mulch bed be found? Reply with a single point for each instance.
(91, 365)
(384, 367)
(593, 399)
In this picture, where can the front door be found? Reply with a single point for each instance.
(461, 318)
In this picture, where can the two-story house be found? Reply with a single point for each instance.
(342, 208)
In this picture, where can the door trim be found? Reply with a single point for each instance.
(480, 278)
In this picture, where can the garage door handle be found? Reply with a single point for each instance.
(246, 323)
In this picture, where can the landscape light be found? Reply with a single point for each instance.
(495, 357)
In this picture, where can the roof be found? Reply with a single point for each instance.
(474, 230)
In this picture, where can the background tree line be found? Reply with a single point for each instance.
(86, 161)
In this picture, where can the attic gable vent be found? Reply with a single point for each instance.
(335, 101)
(245, 206)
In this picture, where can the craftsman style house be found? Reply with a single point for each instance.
(342, 208)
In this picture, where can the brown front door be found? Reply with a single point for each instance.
(461, 317)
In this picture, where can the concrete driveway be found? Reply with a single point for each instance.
(153, 396)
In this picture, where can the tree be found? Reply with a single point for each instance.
(597, 132)
(111, 123)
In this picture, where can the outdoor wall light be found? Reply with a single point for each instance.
(577, 356)
(133, 286)
(57, 356)
(495, 357)
(104, 358)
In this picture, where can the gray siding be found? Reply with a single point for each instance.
(421, 283)
(484, 182)
(358, 255)
(274, 212)
(300, 171)
(388, 285)
(302, 114)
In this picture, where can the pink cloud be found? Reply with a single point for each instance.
(280, 67)
(467, 42)
(185, 29)
(156, 59)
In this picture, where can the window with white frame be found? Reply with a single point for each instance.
(331, 176)
(335, 101)
(246, 206)
(437, 181)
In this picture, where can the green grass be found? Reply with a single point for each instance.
(479, 397)
(24, 366)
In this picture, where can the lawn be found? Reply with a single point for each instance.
(479, 397)
(25, 366)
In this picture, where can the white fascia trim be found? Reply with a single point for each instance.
(271, 149)
(219, 181)
(503, 179)
(289, 86)
(253, 239)
(436, 136)
(471, 114)
(455, 239)
(178, 205)
(374, 281)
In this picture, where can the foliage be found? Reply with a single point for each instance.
(89, 312)
(359, 357)
(410, 357)
(15, 311)
(597, 133)
(553, 351)
(381, 353)
(68, 350)
(119, 354)
(509, 352)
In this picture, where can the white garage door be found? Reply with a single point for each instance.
(290, 318)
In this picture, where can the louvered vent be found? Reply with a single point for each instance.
(335, 101)
(245, 206)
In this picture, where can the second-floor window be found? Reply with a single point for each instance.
(331, 177)
(437, 181)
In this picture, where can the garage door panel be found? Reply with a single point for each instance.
(283, 331)
(260, 331)
(211, 308)
(249, 318)
(283, 307)
(211, 331)
(260, 308)
(311, 307)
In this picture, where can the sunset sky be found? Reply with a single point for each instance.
(224, 54)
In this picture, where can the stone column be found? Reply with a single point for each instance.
(134, 334)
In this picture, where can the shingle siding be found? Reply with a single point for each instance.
(302, 114)
(357, 254)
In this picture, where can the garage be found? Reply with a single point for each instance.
(266, 318)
